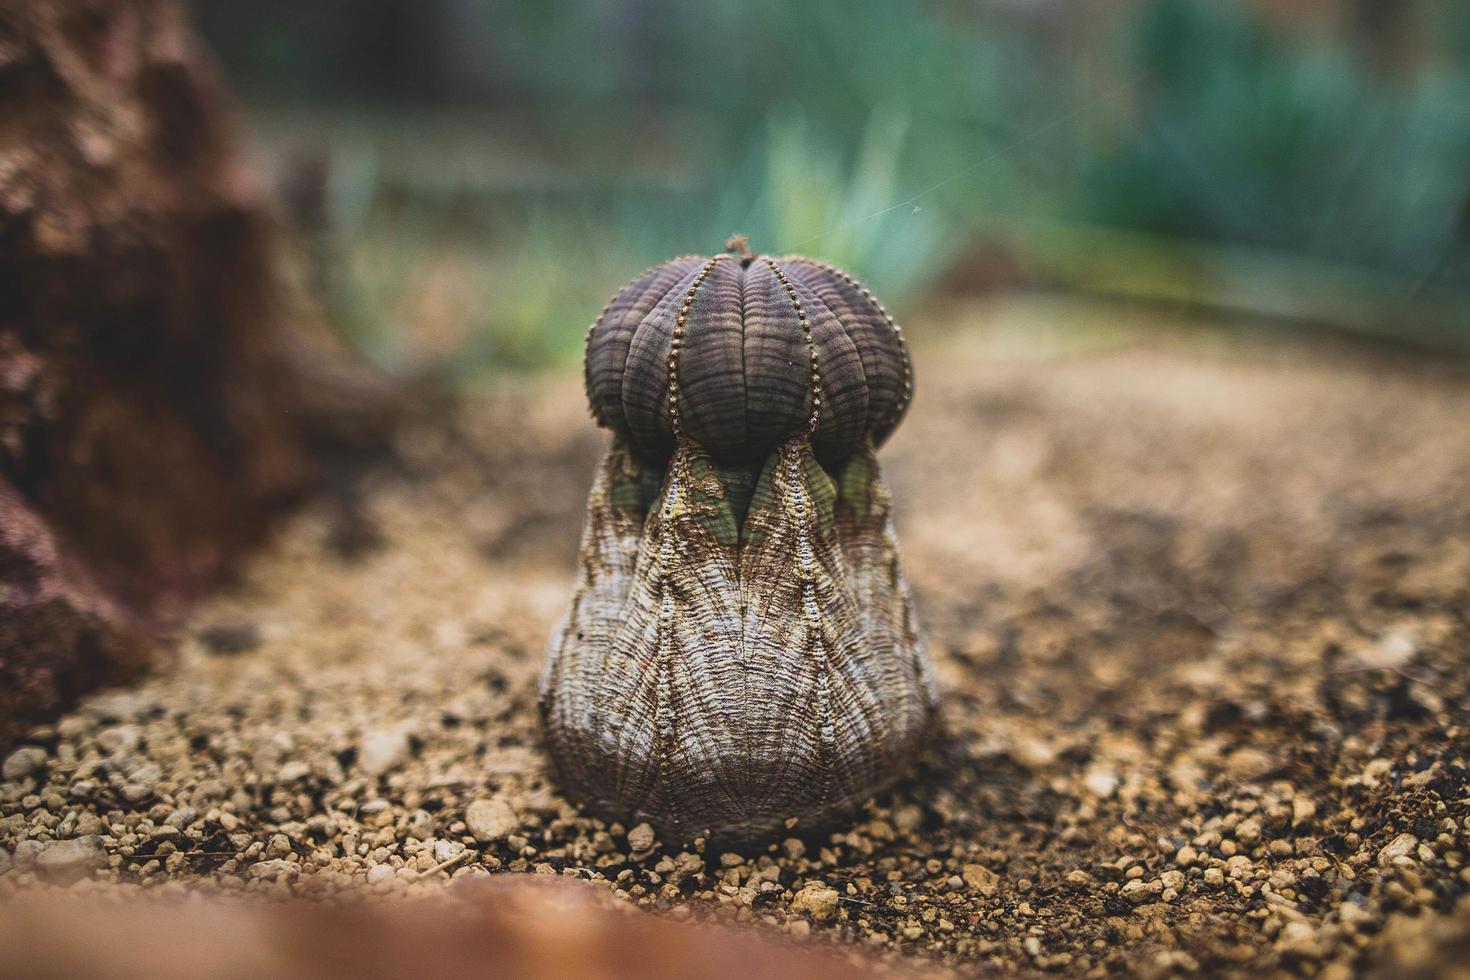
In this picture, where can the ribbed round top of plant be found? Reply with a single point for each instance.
(740, 351)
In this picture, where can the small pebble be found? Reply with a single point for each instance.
(274, 869)
(1100, 782)
(26, 852)
(22, 762)
(1136, 891)
(980, 879)
(490, 820)
(382, 751)
(68, 861)
(1400, 847)
(446, 849)
(292, 771)
(120, 741)
(182, 817)
(641, 838)
(817, 900)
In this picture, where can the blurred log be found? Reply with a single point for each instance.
(509, 929)
(159, 403)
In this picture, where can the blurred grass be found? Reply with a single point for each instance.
(1305, 174)
(1252, 140)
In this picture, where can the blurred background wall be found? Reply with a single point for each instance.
(470, 179)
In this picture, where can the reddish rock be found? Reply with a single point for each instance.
(58, 633)
(159, 403)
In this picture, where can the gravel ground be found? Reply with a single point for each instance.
(1198, 605)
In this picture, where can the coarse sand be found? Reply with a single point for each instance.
(1199, 601)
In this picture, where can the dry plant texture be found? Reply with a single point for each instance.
(1198, 609)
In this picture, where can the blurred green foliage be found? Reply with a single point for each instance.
(1247, 138)
(498, 167)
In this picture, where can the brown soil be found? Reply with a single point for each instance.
(1198, 601)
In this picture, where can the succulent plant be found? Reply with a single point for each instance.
(741, 650)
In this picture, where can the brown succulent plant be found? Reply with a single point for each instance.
(741, 650)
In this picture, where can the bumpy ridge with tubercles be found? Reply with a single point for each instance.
(676, 343)
(908, 373)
